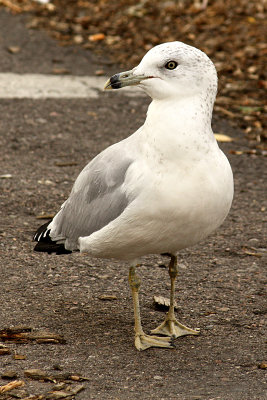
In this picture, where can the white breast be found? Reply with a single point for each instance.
(183, 193)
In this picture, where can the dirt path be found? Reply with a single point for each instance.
(44, 144)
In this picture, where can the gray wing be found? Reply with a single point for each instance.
(97, 198)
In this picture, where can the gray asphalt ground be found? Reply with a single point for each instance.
(44, 145)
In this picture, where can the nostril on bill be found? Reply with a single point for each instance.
(115, 82)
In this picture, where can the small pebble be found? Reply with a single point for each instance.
(224, 309)
(100, 72)
(13, 49)
(209, 327)
(158, 378)
(57, 367)
(253, 242)
(5, 176)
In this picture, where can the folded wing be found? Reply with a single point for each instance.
(97, 198)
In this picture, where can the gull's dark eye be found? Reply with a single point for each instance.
(171, 65)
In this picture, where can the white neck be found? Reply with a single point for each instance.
(181, 126)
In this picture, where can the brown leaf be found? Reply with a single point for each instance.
(162, 303)
(108, 297)
(220, 137)
(62, 394)
(5, 176)
(251, 253)
(75, 377)
(43, 336)
(45, 216)
(60, 71)
(13, 49)
(14, 334)
(66, 164)
(25, 334)
(38, 375)
(15, 8)
(11, 385)
(130, 29)
(96, 37)
(58, 394)
(236, 152)
(19, 357)
(225, 111)
(4, 350)
(99, 72)
(76, 389)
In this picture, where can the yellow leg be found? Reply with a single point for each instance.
(171, 327)
(143, 341)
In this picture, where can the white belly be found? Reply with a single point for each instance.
(176, 211)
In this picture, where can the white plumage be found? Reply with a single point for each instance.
(164, 188)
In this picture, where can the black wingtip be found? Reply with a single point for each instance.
(45, 244)
(51, 248)
(41, 231)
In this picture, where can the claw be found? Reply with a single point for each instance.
(173, 328)
(143, 342)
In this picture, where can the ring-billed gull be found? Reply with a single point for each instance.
(164, 188)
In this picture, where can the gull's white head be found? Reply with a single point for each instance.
(171, 70)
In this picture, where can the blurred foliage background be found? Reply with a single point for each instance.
(231, 32)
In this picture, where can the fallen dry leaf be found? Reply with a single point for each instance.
(224, 111)
(58, 394)
(4, 350)
(99, 72)
(14, 333)
(44, 336)
(26, 334)
(62, 394)
(126, 31)
(66, 164)
(5, 176)
(38, 375)
(12, 6)
(162, 303)
(19, 357)
(92, 114)
(251, 253)
(236, 152)
(220, 137)
(256, 152)
(41, 375)
(13, 49)
(262, 365)
(96, 37)
(108, 297)
(10, 386)
(45, 216)
(60, 71)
